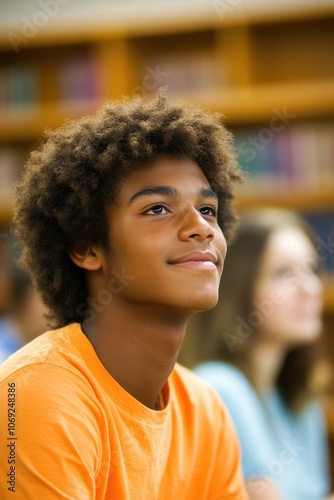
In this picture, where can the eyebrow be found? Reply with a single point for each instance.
(205, 192)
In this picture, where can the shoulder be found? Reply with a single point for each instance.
(202, 420)
(48, 374)
(310, 416)
(194, 394)
(313, 411)
(46, 344)
(213, 370)
(311, 420)
(199, 407)
(43, 362)
(228, 381)
(55, 408)
(183, 379)
(240, 398)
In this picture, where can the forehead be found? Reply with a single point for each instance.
(287, 245)
(174, 172)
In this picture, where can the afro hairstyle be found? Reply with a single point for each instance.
(73, 176)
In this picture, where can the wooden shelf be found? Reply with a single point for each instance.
(241, 105)
(316, 202)
(246, 105)
(6, 213)
(30, 124)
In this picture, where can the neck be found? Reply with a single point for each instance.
(138, 347)
(266, 359)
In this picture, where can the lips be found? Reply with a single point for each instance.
(196, 260)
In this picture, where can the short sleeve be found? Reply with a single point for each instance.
(54, 454)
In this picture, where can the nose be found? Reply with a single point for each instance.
(194, 226)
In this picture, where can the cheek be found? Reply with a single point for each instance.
(221, 243)
(274, 319)
(273, 303)
(142, 258)
(278, 292)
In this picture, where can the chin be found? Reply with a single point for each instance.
(308, 335)
(204, 303)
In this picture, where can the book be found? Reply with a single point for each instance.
(298, 160)
(78, 80)
(22, 91)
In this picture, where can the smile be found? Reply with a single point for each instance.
(197, 260)
(204, 265)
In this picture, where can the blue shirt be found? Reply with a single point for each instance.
(287, 448)
(9, 340)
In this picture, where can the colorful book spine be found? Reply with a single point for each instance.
(22, 96)
(78, 80)
(298, 160)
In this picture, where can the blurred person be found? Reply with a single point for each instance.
(262, 356)
(23, 314)
(123, 217)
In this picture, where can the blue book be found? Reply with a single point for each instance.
(323, 227)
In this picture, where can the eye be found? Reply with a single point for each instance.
(156, 210)
(313, 268)
(283, 272)
(208, 210)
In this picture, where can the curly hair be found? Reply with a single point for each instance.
(75, 173)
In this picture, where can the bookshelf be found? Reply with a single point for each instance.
(272, 76)
(252, 68)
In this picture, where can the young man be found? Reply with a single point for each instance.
(121, 216)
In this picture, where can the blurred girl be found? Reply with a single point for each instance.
(263, 330)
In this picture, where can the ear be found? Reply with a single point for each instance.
(87, 257)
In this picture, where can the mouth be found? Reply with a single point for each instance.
(205, 261)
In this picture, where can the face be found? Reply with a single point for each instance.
(165, 237)
(288, 294)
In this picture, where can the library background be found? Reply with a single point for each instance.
(270, 71)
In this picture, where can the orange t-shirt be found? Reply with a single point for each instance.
(68, 430)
